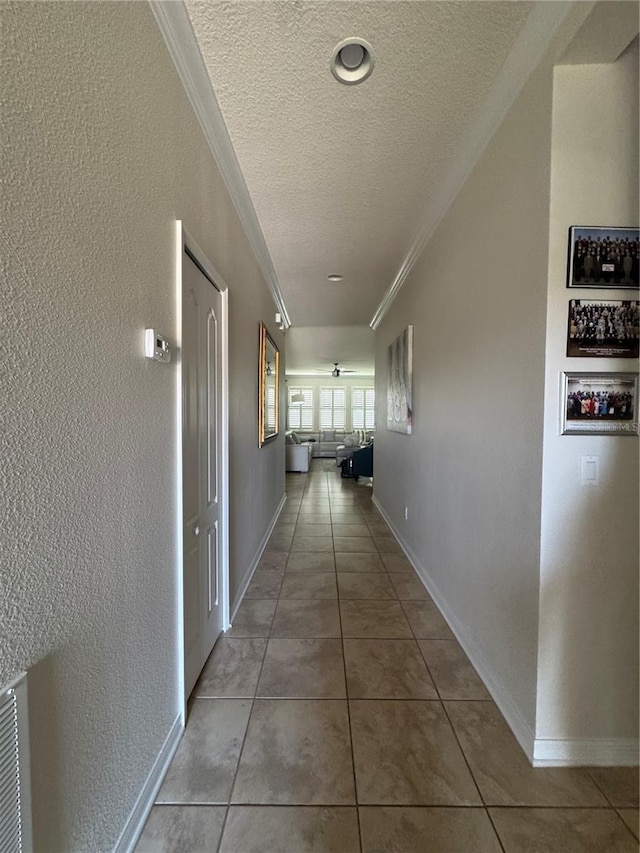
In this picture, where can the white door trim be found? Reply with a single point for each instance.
(185, 241)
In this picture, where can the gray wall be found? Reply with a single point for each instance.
(589, 564)
(470, 474)
(101, 155)
(537, 575)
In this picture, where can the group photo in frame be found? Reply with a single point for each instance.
(603, 257)
(603, 328)
(599, 404)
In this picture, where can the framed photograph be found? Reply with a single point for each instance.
(400, 383)
(603, 257)
(599, 404)
(269, 387)
(603, 328)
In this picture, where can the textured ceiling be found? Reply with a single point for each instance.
(341, 176)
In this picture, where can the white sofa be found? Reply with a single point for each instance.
(331, 444)
(298, 456)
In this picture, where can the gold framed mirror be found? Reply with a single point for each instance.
(268, 400)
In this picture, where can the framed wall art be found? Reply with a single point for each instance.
(269, 387)
(603, 257)
(400, 383)
(599, 404)
(606, 328)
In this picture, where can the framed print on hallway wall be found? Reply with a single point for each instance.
(599, 404)
(269, 387)
(603, 257)
(603, 328)
(400, 383)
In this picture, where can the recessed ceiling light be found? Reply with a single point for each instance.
(352, 61)
(335, 277)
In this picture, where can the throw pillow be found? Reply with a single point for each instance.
(351, 440)
(296, 438)
(288, 439)
(329, 435)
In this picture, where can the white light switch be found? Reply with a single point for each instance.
(590, 470)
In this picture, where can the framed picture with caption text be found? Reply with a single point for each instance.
(603, 328)
(603, 257)
(599, 404)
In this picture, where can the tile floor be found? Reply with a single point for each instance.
(340, 715)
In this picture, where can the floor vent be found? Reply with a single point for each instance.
(15, 799)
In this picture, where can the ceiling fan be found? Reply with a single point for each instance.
(336, 372)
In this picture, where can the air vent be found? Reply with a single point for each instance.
(15, 799)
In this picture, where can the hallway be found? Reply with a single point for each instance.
(340, 685)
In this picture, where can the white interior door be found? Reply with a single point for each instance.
(201, 467)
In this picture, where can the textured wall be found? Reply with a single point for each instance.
(588, 680)
(470, 473)
(101, 155)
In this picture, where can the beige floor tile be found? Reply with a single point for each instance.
(205, 762)
(232, 670)
(309, 585)
(172, 828)
(632, 820)
(317, 562)
(387, 545)
(253, 619)
(503, 772)
(619, 784)
(386, 669)
(405, 753)
(272, 561)
(397, 563)
(289, 517)
(354, 544)
(359, 562)
(296, 752)
(451, 670)
(426, 620)
(562, 831)
(409, 587)
(299, 618)
(303, 669)
(279, 542)
(265, 585)
(291, 829)
(314, 508)
(374, 619)
(312, 543)
(427, 830)
(343, 529)
(365, 585)
(314, 518)
(379, 528)
(303, 529)
(351, 516)
(285, 528)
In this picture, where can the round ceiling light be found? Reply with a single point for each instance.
(335, 277)
(352, 61)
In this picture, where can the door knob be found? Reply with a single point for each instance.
(196, 531)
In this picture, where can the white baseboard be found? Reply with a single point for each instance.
(516, 722)
(254, 563)
(600, 752)
(137, 819)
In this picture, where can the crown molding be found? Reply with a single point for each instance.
(529, 48)
(174, 24)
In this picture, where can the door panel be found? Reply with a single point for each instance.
(201, 413)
